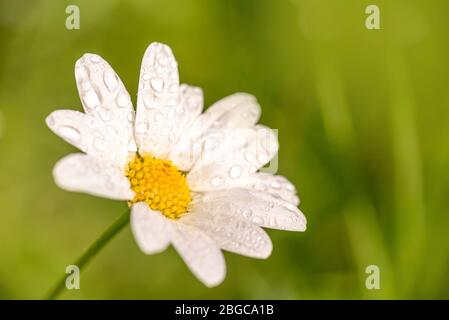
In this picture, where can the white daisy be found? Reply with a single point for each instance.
(190, 178)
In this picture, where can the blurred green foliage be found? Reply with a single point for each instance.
(363, 128)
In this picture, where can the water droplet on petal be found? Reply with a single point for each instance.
(110, 79)
(69, 133)
(193, 103)
(157, 84)
(235, 172)
(276, 185)
(95, 58)
(216, 181)
(90, 99)
(130, 117)
(258, 220)
(105, 115)
(263, 158)
(249, 157)
(247, 213)
(210, 144)
(122, 100)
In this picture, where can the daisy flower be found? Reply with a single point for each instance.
(191, 179)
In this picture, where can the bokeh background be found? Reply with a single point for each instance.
(363, 128)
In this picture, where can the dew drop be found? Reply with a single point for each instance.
(210, 144)
(157, 84)
(130, 117)
(70, 133)
(192, 103)
(247, 213)
(235, 172)
(216, 181)
(263, 158)
(110, 79)
(91, 99)
(249, 157)
(95, 58)
(105, 115)
(276, 185)
(122, 100)
(258, 220)
(149, 101)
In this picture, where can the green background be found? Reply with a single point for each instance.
(363, 129)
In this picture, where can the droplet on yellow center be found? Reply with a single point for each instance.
(160, 184)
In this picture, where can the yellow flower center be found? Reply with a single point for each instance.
(160, 184)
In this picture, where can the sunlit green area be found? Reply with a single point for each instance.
(363, 120)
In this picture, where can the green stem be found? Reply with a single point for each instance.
(94, 248)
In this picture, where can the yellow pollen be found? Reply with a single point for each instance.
(160, 184)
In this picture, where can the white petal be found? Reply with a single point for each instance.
(200, 253)
(232, 234)
(82, 173)
(239, 110)
(104, 96)
(158, 100)
(150, 228)
(277, 186)
(229, 155)
(260, 208)
(89, 134)
(191, 105)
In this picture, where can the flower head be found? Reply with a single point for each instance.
(192, 179)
